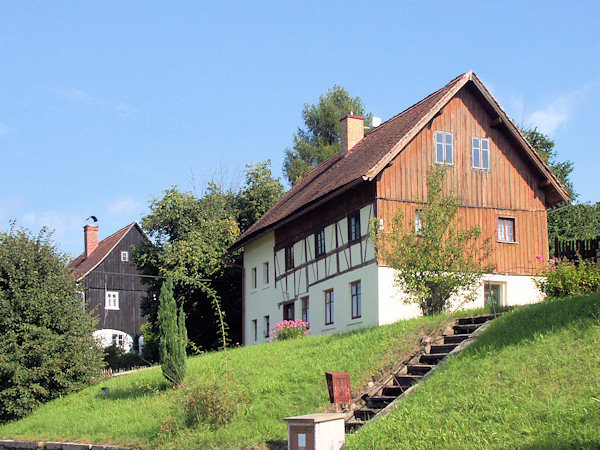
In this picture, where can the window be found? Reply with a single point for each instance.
(288, 311)
(265, 273)
(124, 256)
(118, 340)
(418, 223)
(255, 328)
(289, 257)
(266, 325)
(354, 227)
(492, 295)
(305, 317)
(443, 147)
(320, 242)
(111, 300)
(356, 299)
(253, 278)
(329, 307)
(506, 230)
(481, 153)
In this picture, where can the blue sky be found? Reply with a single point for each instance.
(106, 104)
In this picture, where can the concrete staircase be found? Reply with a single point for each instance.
(379, 399)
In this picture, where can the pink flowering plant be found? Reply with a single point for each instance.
(561, 278)
(289, 329)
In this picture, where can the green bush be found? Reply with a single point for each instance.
(211, 404)
(173, 335)
(117, 359)
(564, 278)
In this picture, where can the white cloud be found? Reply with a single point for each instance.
(558, 111)
(75, 95)
(124, 205)
(9, 207)
(60, 223)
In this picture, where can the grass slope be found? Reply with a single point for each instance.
(269, 382)
(531, 381)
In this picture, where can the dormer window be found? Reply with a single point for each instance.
(124, 256)
(443, 147)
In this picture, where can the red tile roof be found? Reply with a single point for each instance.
(369, 156)
(82, 266)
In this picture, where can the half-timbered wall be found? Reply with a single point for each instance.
(509, 189)
(115, 275)
(343, 263)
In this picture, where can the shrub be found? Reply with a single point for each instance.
(210, 404)
(117, 359)
(173, 335)
(564, 278)
(289, 329)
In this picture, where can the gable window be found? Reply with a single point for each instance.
(320, 242)
(266, 325)
(443, 147)
(354, 227)
(253, 278)
(288, 311)
(329, 307)
(506, 229)
(289, 257)
(111, 300)
(355, 296)
(481, 153)
(265, 273)
(305, 317)
(124, 256)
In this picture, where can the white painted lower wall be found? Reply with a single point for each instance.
(104, 338)
(515, 290)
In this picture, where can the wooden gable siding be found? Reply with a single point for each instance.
(114, 275)
(509, 189)
(325, 214)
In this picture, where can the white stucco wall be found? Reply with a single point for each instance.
(104, 338)
(515, 290)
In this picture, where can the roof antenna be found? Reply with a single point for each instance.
(94, 218)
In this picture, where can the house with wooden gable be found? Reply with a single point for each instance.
(309, 256)
(112, 286)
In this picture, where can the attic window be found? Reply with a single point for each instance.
(124, 256)
(481, 153)
(443, 147)
(111, 300)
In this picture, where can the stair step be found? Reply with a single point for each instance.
(466, 329)
(442, 348)
(406, 380)
(432, 358)
(472, 320)
(418, 369)
(365, 414)
(395, 391)
(380, 401)
(353, 425)
(455, 338)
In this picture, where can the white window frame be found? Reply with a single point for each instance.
(329, 305)
(502, 230)
(446, 143)
(124, 256)
(111, 300)
(477, 145)
(356, 299)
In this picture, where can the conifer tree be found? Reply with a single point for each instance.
(171, 333)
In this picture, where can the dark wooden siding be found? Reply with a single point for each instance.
(511, 188)
(114, 275)
(325, 214)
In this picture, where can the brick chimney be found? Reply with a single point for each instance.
(352, 130)
(90, 236)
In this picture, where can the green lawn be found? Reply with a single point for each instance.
(269, 382)
(531, 381)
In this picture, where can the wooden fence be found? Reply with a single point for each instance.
(586, 248)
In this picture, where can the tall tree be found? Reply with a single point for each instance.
(172, 335)
(320, 139)
(434, 258)
(46, 349)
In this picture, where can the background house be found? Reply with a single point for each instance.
(308, 257)
(112, 286)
